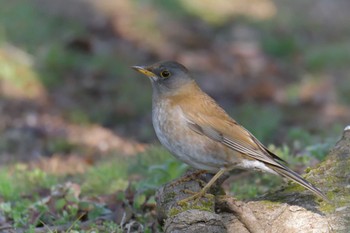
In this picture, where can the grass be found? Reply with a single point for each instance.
(106, 177)
(150, 170)
(254, 185)
(51, 200)
(20, 179)
(166, 169)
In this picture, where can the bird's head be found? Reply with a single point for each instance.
(166, 77)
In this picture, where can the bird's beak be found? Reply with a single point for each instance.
(144, 70)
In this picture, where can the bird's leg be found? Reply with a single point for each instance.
(188, 177)
(204, 190)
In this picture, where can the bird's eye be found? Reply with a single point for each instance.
(165, 74)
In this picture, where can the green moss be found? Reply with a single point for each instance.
(268, 204)
(174, 211)
(307, 170)
(205, 204)
(169, 196)
(202, 206)
(208, 203)
(327, 208)
(294, 188)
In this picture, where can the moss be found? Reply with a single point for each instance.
(169, 197)
(174, 211)
(294, 188)
(307, 170)
(205, 204)
(336, 182)
(339, 197)
(327, 207)
(269, 204)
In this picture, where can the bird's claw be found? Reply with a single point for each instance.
(194, 198)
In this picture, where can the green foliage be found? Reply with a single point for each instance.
(158, 166)
(17, 211)
(284, 152)
(253, 185)
(35, 178)
(280, 46)
(97, 210)
(7, 188)
(106, 177)
(299, 137)
(23, 180)
(311, 145)
(327, 56)
(110, 226)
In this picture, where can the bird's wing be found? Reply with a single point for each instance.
(228, 132)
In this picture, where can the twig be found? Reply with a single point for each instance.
(243, 213)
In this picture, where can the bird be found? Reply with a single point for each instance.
(198, 132)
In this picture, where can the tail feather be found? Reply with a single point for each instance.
(286, 172)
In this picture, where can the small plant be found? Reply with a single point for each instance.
(106, 177)
(158, 167)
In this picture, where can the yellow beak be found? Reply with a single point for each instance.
(144, 70)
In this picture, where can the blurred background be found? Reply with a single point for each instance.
(71, 109)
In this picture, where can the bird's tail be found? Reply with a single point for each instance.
(286, 172)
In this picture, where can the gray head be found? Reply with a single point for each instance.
(166, 77)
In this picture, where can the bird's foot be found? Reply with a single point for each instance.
(204, 190)
(194, 198)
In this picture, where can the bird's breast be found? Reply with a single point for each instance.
(171, 127)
